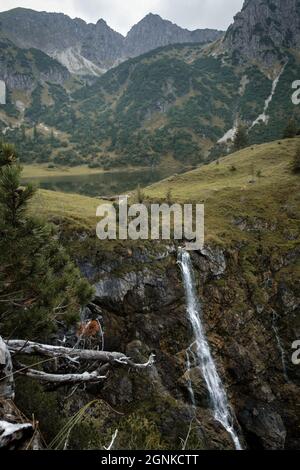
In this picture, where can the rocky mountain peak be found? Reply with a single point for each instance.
(91, 49)
(153, 31)
(263, 29)
(152, 17)
(101, 23)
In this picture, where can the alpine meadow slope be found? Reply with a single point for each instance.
(247, 280)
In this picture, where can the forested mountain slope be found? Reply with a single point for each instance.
(177, 101)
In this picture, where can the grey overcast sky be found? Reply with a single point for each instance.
(121, 15)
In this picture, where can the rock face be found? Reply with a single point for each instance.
(91, 49)
(143, 310)
(263, 29)
(21, 69)
(81, 47)
(152, 32)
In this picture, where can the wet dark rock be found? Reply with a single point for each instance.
(143, 310)
(136, 291)
(263, 427)
(210, 262)
(201, 395)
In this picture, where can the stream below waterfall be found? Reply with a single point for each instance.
(201, 354)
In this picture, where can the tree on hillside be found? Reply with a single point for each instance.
(13, 197)
(23, 133)
(38, 281)
(8, 154)
(240, 140)
(291, 130)
(39, 284)
(35, 132)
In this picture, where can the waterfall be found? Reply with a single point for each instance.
(220, 405)
(264, 117)
(189, 380)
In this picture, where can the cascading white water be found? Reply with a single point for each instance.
(264, 117)
(214, 384)
(189, 380)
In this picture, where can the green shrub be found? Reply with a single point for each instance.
(38, 280)
(140, 195)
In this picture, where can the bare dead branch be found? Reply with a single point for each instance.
(29, 347)
(63, 379)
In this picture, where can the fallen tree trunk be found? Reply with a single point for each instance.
(15, 432)
(29, 347)
(61, 379)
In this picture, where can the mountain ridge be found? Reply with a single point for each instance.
(263, 30)
(177, 101)
(62, 37)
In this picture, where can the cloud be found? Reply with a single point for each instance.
(47, 5)
(194, 14)
(121, 15)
